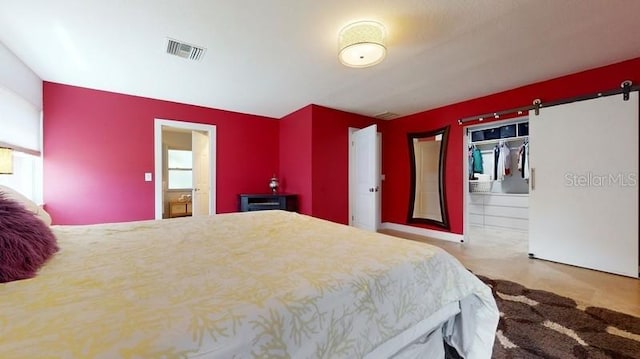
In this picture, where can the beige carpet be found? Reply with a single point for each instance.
(541, 324)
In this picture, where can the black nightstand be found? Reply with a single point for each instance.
(267, 201)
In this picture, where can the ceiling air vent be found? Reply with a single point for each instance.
(185, 50)
(386, 115)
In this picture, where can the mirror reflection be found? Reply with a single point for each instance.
(427, 153)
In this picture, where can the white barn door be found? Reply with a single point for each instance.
(584, 184)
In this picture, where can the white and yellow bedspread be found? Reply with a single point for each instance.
(243, 285)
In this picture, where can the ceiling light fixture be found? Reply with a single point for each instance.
(6, 165)
(362, 44)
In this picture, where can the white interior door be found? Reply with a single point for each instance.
(584, 184)
(201, 173)
(366, 206)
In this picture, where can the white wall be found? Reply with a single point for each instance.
(18, 78)
(20, 123)
(20, 104)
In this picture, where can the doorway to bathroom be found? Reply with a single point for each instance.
(184, 168)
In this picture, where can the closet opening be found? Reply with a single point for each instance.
(497, 183)
(581, 207)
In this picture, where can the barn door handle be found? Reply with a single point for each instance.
(533, 179)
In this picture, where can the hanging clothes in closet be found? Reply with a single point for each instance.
(496, 157)
(503, 164)
(523, 160)
(470, 160)
(475, 161)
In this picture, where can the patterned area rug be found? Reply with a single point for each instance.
(540, 324)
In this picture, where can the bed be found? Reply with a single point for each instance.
(268, 284)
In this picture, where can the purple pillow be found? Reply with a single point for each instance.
(26, 243)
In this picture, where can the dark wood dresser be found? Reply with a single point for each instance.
(267, 201)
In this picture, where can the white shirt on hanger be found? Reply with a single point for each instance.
(504, 162)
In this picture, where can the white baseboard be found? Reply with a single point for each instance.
(445, 236)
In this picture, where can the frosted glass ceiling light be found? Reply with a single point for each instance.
(362, 44)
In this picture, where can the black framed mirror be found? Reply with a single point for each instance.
(427, 152)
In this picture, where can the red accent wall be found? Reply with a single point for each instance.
(98, 145)
(295, 157)
(330, 175)
(395, 161)
(314, 159)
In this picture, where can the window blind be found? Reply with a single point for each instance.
(19, 123)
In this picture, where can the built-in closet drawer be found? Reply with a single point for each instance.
(506, 222)
(503, 210)
(475, 204)
(476, 198)
(508, 200)
(476, 208)
(476, 219)
(510, 212)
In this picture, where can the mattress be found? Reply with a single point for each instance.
(254, 284)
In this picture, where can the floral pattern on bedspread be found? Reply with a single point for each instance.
(266, 284)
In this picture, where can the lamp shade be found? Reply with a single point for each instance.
(362, 44)
(6, 165)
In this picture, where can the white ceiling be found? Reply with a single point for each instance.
(273, 57)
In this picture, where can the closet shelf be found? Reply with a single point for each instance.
(491, 142)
